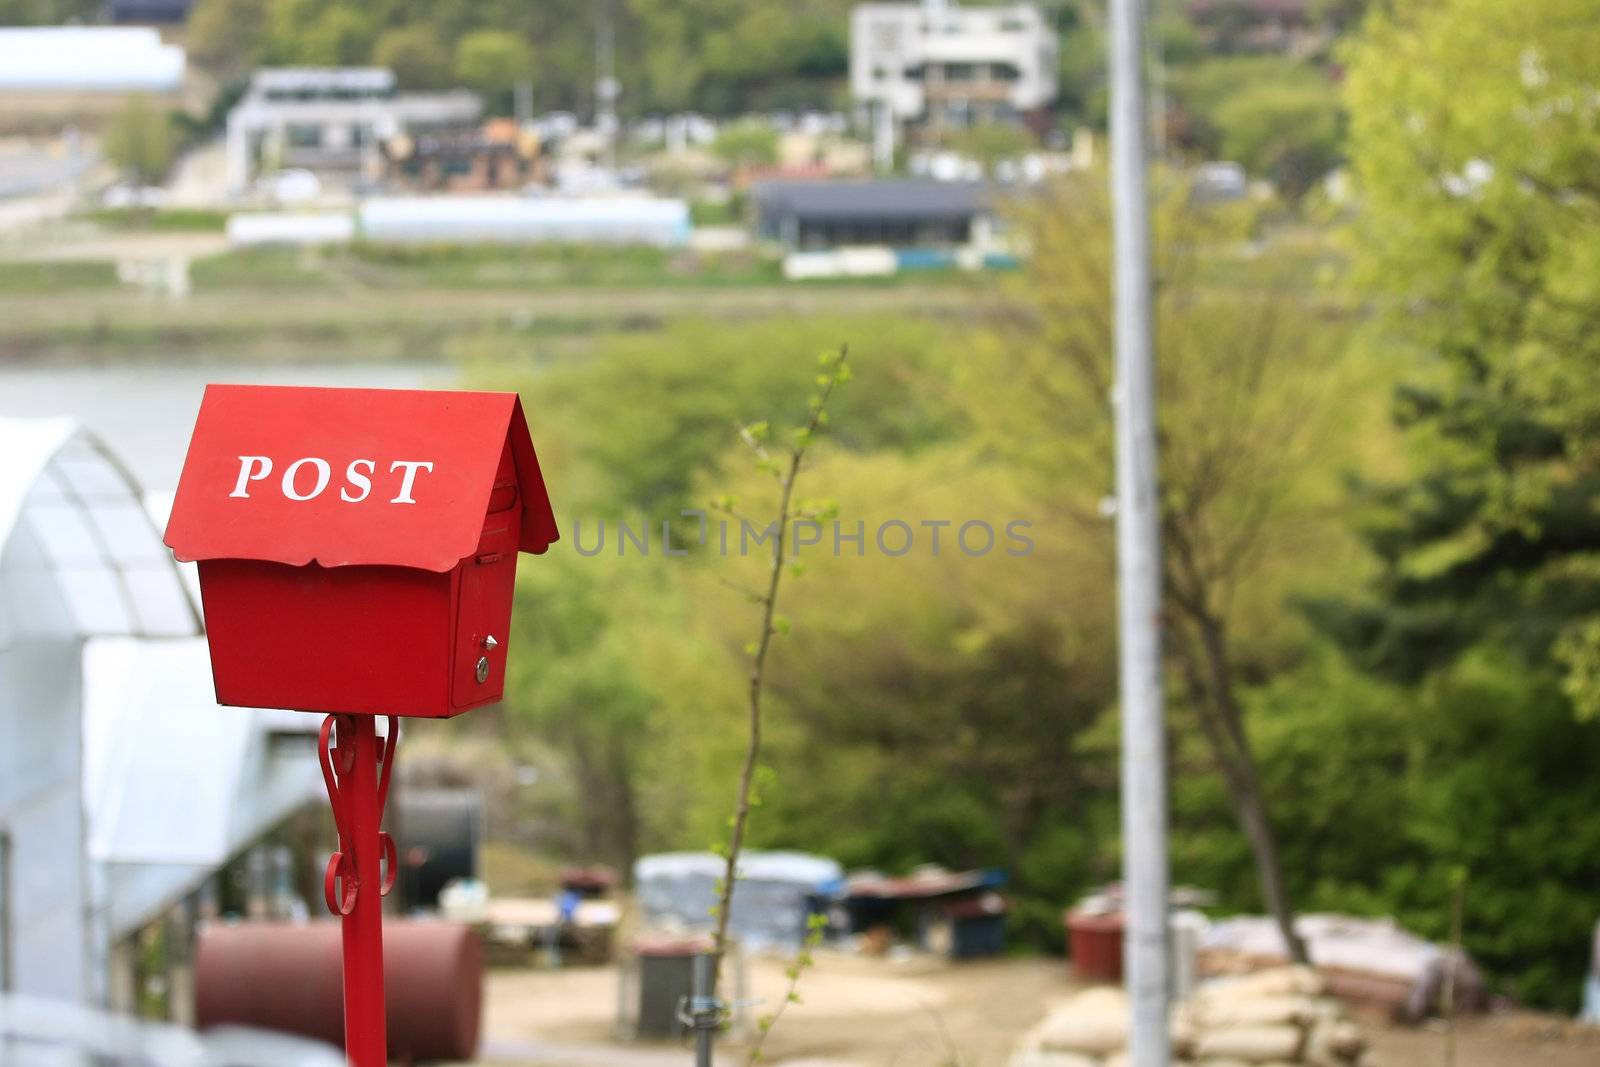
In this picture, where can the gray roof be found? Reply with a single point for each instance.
(909, 198)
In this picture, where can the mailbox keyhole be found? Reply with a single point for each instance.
(482, 672)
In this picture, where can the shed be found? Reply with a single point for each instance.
(774, 897)
(908, 212)
(959, 912)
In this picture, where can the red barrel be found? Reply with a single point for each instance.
(1094, 941)
(286, 976)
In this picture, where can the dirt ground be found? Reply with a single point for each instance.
(858, 1012)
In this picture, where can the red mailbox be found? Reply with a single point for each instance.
(358, 547)
(358, 552)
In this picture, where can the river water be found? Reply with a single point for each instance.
(144, 411)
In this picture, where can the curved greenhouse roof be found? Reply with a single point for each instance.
(70, 513)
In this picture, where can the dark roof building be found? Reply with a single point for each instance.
(150, 11)
(900, 213)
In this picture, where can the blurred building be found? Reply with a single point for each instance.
(906, 213)
(605, 220)
(52, 76)
(331, 120)
(150, 12)
(931, 67)
(497, 155)
(124, 788)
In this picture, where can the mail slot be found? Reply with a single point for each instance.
(358, 547)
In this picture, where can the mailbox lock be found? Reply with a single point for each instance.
(489, 645)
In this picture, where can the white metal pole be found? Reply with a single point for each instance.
(1144, 776)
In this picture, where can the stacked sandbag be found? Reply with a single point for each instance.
(1085, 1031)
(1268, 1019)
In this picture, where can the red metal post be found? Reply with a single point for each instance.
(356, 881)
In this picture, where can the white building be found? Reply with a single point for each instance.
(88, 59)
(938, 66)
(613, 220)
(331, 119)
(124, 787)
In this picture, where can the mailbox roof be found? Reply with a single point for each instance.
(461, 433)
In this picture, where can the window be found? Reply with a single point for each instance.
(303, 135)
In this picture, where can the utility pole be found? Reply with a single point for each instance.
(1144, 774)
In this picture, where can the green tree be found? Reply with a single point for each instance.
(1390, 788)
(928, 706)
(1246, 386)
(575, 687)
(339, 37)
(141, 141)
(993, 142)
(419, 59)
(46, 12)
(225, 36)
(1279, 117)
(1289, 133)
(746, 143)
(1476, 153)
(493, 61)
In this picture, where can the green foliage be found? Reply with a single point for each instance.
(748, 142)
(47, 12)
(1279, 117)
(226, 36)
(338, 36)
(1386, 792)
(493, 61)
(699, 381)
(402, 267)
(1480, 239)
(711, 55)
(993, 142)
(1288, 133)
(1081, 76)
(56, 275)
(141, 141)
(591, 705)
(419, 59)
(167, 220)
(728, 56)
(961, 710)
(1477, 241)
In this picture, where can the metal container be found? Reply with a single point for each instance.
(286, 977)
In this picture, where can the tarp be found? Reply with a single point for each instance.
(771, 899)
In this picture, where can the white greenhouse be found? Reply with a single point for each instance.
(88, 59)
(124, 788)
